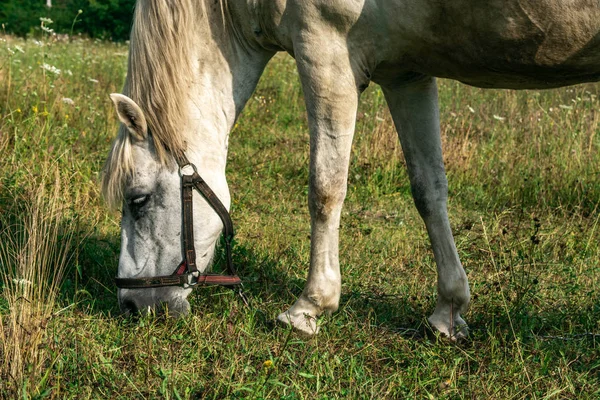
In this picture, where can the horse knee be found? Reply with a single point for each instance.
(326, 200)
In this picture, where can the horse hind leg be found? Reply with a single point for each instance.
(414, 108)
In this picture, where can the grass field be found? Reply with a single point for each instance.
(524, 196)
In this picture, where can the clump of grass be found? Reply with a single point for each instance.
(35, 248)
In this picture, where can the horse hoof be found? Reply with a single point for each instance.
(303, 324)
(455, 332)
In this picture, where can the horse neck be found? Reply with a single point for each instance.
(227, 68)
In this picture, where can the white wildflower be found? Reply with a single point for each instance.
(51, 68)
(46, 20)
(499, 118)
(47, 30)
(11, 51)
(471, 109)
(68, 72)
(68, 100)
(93, 80)
(19, 49)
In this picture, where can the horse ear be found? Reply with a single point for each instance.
(131, 115)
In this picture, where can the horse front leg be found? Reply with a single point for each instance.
(331, 98)
(414, 108)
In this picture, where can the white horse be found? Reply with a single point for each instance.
(193, 64)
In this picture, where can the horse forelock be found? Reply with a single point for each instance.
(117, 169)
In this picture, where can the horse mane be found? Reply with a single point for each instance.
(159, 74)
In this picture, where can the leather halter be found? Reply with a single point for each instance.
(186, 274)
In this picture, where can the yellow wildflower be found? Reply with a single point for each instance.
(19, 110)
(268, 364)
(34, 109)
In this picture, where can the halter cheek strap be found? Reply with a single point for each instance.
(188, 184)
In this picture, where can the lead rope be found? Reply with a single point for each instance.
(240, 287)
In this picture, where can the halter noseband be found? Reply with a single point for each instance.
(186, 274)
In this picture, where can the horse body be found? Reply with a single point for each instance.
(340, 46)
(513, 44)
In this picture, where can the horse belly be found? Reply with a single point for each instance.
(513, 44)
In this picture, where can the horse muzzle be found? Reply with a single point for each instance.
(159, 301)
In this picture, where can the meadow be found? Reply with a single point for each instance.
(524, 205)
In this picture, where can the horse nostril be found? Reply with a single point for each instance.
(129, 308)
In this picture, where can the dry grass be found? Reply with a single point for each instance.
(35, 249)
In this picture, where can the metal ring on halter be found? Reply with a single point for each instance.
(192, 280)
(189, 164)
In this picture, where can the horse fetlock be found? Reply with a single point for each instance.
(327, 303)
(455, 292)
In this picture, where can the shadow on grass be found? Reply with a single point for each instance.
(270, 290)
(90, 283)
(267, 285)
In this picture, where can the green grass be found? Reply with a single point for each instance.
(523, 204)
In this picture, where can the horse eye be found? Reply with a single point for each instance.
(139, 201)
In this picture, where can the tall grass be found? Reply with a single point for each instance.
(48, 122)
(35, 249)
